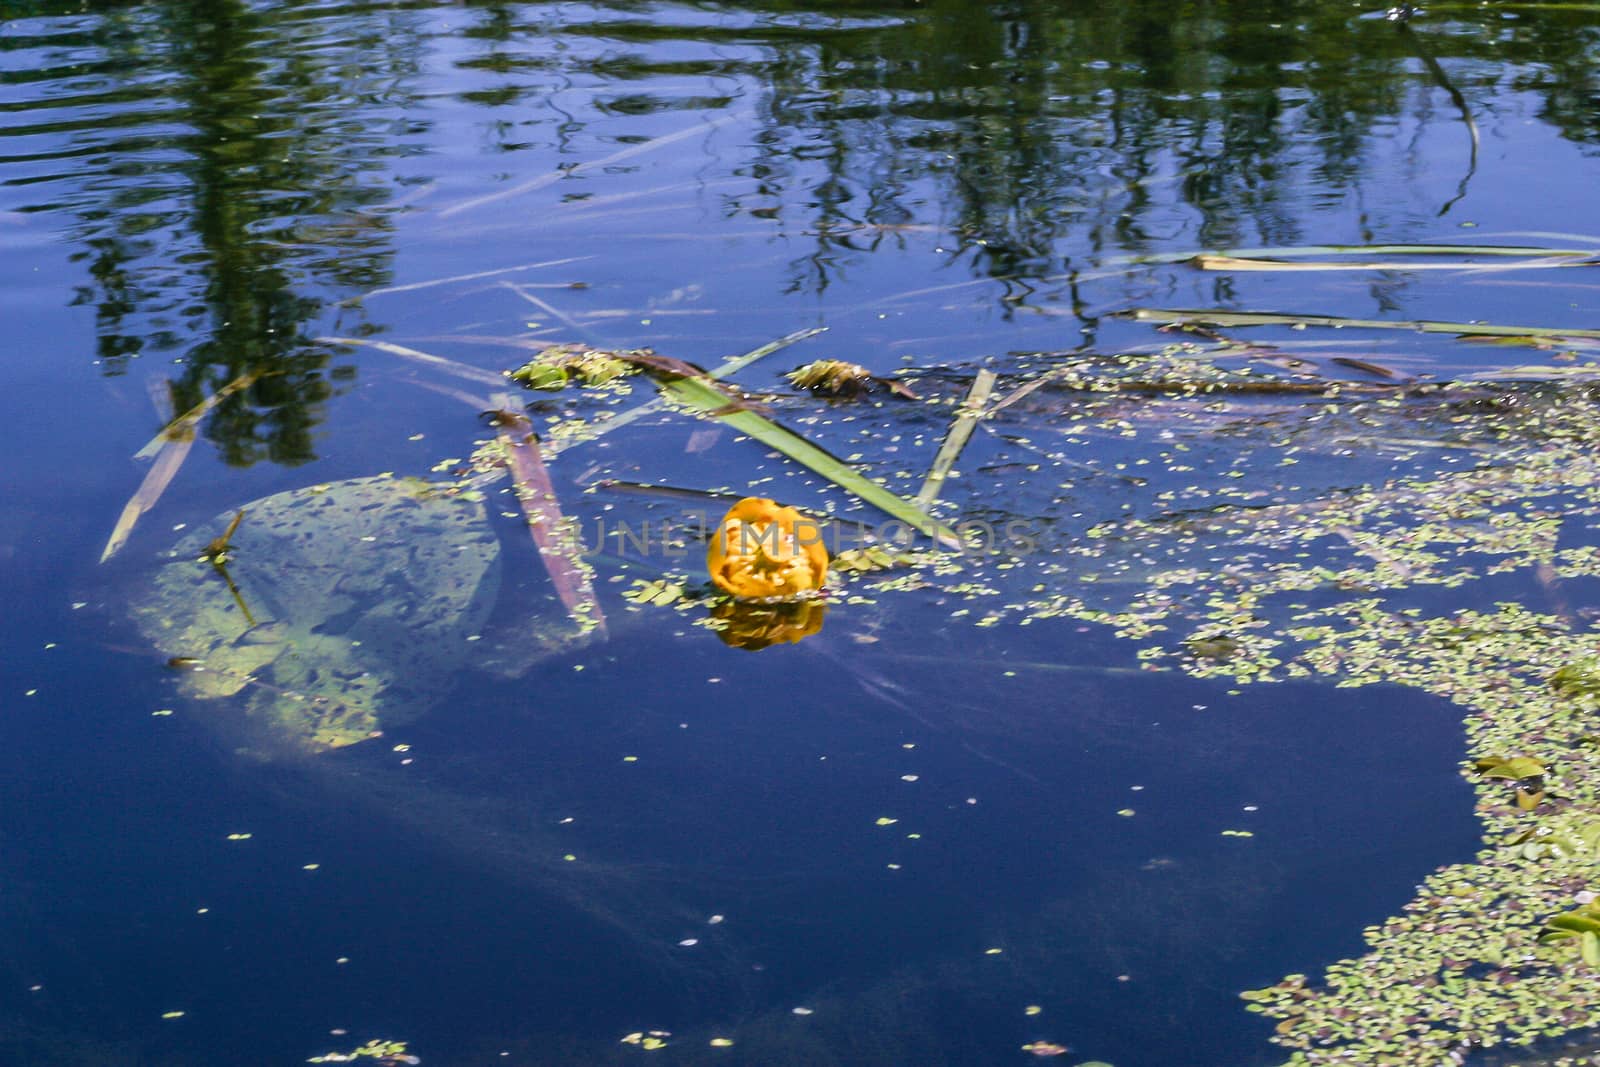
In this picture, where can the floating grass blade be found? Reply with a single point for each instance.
(1292, 251)
(185, 423)
(170, 448)
(476, 403)
(460, 370)
(545, 306)
(700, 393)
(732, 366)
(616, 157)
(1539, 372)
(472, 277)
(956, 439)
(1208, 261)
(527, 340)
(738, 363)
(1202, 317)
(173, 452)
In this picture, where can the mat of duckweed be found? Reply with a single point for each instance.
(1262, 528)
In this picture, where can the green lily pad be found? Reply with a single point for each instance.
(343, 609)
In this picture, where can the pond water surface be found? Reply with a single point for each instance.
(907, 838)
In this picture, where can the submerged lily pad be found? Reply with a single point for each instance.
(343, 609)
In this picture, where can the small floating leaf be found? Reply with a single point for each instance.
(1514, 769)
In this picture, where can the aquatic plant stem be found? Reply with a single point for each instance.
(971, 410)
(553, 533)
(616, 157)
(1203, 317)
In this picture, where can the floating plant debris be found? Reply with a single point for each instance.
(169, 448)
(837, 377)
(558, 365)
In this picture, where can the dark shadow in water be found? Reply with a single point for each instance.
(230, 173)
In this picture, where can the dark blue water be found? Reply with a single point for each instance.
(190, 191)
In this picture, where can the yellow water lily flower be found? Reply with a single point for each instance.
(763, 550)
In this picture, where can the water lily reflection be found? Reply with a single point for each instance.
(756, 626)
